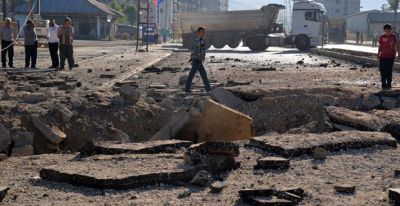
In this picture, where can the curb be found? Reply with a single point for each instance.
(134, 71)
(351, 58)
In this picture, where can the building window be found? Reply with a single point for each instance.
(161, 10)
(337, 11)
(337, 1)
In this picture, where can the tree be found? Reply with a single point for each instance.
(115, 5)
(385, 8)
(394, 6)
(131, 14)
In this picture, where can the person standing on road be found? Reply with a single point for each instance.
(53, 44)
(375, 37)
(8, 36)
(362, 37)
(65, 35)
(357, 37)
(388, 48)
(197, 58)
(31, 44)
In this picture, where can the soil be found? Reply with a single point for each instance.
(284, 91)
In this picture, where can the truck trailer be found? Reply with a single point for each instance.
(258, 29)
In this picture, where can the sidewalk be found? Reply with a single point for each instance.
(353, 47)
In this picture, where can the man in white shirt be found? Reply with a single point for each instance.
(53, 44)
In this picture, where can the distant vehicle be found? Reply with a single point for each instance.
(258, 29)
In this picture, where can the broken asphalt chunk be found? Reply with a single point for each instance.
(217, 187)
(359, 120)
(272, 163)
(152, 147)
(294, 145)
(54, 134)
(394, 195)
(217, 148)
(3, 192)
(345, 188)
(121, 172)
(226, 98)
(5, 138)
(201, 179)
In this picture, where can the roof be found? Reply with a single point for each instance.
(382, 17)
(71, 7)
(365, 12)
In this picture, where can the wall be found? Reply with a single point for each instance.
(357, 22)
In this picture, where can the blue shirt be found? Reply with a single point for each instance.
(199, 49)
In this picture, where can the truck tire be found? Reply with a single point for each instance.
(303, 43)
(219, 42)
(234, 43)
(188, 41)
(256, 43)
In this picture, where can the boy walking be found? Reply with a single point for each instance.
(197, 58)
(388, 48)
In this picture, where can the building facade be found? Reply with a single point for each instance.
(341, 8)
(370, 21)
(91, 19)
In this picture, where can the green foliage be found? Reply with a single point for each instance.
(115, 5)
(129, 11)
(131, 14)
(394, 5)
(385, 8)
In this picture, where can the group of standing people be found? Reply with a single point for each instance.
(60, 38)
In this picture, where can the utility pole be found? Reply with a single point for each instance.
(4, 9)
(30, 9)
(147, 28)
(138, 25)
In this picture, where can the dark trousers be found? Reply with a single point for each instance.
(67, 52)
(9, 51)
(31, 55)
(197, 65)
(386, 69)
(53, 48)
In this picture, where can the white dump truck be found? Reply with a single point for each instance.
(258, 29)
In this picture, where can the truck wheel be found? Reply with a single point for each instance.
(256, 43)
(219, 42)
(234, 43)
(188, 42)
(303, 43)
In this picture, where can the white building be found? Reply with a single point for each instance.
(341, 8)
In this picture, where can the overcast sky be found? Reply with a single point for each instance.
(256, 4)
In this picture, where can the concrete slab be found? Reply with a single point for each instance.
(293, 145)
(122, 172)
(220, 123)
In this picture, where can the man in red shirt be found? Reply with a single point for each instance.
(388, 48)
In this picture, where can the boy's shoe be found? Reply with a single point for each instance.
(12, 67)
(61, 68)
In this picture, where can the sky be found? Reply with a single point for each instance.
(256, 4)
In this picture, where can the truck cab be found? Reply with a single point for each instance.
(308, 24)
